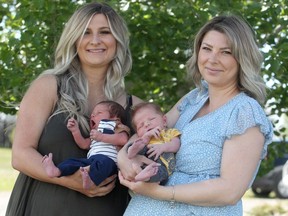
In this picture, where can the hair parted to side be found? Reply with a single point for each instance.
(244, 49)
(73, 86)
(143, 105)
(115, 110)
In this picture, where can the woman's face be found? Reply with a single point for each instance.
(98, 46)
(216, 63)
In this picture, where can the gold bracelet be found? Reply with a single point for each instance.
(172, 201)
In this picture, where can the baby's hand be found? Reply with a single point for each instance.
(155, 150)
(95, 135)
(155, 132)
(72, 125)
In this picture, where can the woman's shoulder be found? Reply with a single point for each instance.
(193, 97)
(40, 98)
(45, 87)
(243, 107)
(243, 101)
(136, 100)
(47, 79)
(246, 110)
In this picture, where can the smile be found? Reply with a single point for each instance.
(96, 50)
(212, 70)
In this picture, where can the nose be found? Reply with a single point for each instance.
(213, 57)
(95, 39)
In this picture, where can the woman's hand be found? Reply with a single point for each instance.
(102, 189)
(131, 167)
(140, 187)
(74, 182)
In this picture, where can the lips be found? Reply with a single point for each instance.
(92, 124)
(96, 50)
(212, 69)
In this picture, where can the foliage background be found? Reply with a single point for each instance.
(161, 35)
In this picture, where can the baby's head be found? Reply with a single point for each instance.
(147, 116)
(107, 110)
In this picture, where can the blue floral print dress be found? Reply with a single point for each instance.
(199, 157)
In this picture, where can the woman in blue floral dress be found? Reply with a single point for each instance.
(225, 131)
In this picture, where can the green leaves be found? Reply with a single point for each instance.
(161, 35)
(161, 38)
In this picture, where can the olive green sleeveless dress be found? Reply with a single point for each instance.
(31, 197)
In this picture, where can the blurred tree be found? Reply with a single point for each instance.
(161, 36)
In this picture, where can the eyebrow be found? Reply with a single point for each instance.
(103, 27)
(223, 48)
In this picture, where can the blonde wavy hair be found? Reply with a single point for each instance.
(244, 49)
(72, 83)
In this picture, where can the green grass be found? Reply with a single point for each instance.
(7, 174)
(268, 210)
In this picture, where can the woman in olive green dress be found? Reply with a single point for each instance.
(91, 60)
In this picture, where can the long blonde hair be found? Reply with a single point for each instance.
(72, 83)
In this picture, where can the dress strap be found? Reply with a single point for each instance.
(129, 104)
(58, 87)
(129, 101)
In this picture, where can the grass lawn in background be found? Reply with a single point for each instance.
(252, 206)
(7, 174)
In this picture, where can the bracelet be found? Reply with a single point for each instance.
(172, 201)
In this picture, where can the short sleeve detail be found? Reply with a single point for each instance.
(194, 97)
(172, 132)
(247, 114)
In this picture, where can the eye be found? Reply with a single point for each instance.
(205, 48)
(87, 32)
(139, 126)
(104, 32)
(97, 113)
(227, 52)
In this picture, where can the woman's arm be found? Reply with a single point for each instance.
(173, 114)
(136, 100)
(241, 155)
(35, 109)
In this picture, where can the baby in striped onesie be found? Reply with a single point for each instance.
(107, 135)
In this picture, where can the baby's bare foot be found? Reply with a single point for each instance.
(50, 168)
(137, 146)
(147, 172)
(87, 182)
